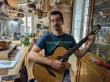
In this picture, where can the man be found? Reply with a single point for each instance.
(56, 38)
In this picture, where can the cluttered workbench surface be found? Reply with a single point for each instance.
(11, 60)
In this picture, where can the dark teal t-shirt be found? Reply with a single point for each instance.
(50, 42)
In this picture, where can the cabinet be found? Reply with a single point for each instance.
(101, 16)
(90, 72)
(101, 46)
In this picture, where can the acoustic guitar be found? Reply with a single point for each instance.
(44, 73)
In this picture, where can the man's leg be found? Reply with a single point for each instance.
(67, 78)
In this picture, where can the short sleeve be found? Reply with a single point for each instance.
(42, 42)
(73, 42)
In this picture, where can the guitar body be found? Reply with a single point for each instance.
(41, 73)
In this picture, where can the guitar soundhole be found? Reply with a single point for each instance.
(59, 57)
(49, 71)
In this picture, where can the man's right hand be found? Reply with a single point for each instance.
(58, 65)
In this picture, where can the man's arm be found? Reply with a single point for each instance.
(36, 56)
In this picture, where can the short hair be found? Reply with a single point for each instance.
(57, 13)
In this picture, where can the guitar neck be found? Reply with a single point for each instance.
(72, 50)
(94, 31)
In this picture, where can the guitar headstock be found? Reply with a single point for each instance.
(95, 29)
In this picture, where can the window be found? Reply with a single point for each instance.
(80, 17)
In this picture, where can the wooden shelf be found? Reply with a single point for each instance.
(99, 43)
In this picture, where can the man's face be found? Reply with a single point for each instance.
(56, 22)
